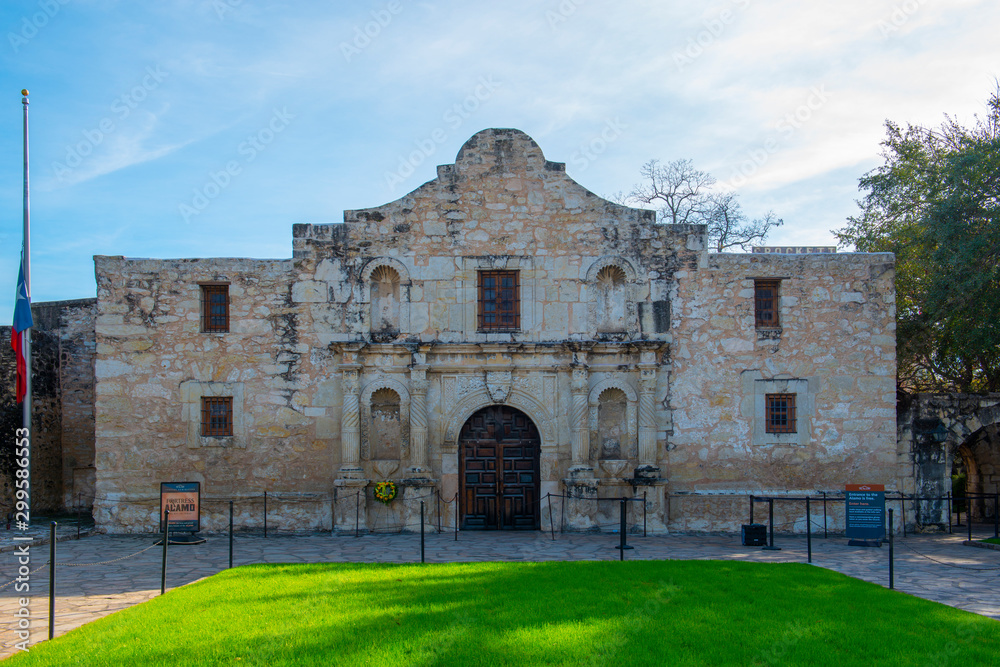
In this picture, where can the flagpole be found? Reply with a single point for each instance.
(26, 266)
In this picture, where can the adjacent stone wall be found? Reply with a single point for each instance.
(46, 454)
(835, 350)
(63, 350)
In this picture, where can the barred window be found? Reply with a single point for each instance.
(216, 416)
(215, 308)
(499, 301)
(779, 413)
(766, 303)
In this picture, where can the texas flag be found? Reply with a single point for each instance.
(22, 321)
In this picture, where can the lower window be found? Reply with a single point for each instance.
(779, 413)
(216, 416)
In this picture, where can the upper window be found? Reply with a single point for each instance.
(499, 301)
(215, 308)
(766, 304)
(779, 413)
(216, 416)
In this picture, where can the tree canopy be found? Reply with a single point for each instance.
(935, 203)
(684, 196)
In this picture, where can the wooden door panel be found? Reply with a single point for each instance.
(499, 471)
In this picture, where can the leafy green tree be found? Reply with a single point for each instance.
(935, 203)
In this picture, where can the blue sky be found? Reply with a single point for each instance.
(206, 128)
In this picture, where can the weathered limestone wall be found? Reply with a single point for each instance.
(154, 364)
(72, 324)
(835, 350)
(46, 457)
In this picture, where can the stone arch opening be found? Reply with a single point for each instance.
(499, 451)
(976, 471)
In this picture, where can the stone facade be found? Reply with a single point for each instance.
(632, 364)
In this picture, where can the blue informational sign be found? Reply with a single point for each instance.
(183, 501)
(865, 511)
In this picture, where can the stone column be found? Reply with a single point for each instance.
(581, 486)
(647, 416)
(579, 427)
(350, 424)
(418, 422)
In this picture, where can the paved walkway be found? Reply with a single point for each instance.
(935, 567)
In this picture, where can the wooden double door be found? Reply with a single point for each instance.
(499, 471)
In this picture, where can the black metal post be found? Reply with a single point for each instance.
(968, 515)
(79, 513)
(770, 521)
(890, 551)
(751, 509)
(809, 532)
(644, 514)
(456, 517)
(52, 580)
(230, 534)
(824, 515)
(949, 512)
(166, 539)
(562, 515)
(902, 511)
(422, 532)
(996, 515)
(437, 507)
(357, 514)
(552, 526)
(265, 513)
(621, 531)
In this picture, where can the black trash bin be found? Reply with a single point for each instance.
(754, 534)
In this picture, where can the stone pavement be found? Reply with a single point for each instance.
(936, 567)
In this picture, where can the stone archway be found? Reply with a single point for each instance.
(940, 430)
(499, 471)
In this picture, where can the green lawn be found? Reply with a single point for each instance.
(992, 540)
(576, 613)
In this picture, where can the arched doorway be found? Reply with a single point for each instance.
(498, 450)
(976, 466)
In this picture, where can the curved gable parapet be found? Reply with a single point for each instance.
(502, 151)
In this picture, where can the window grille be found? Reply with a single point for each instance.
(215, 308)
(216, 415)
(779, 414)
(499, 301)
(766, 304)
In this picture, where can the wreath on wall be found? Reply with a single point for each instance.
(385, 492)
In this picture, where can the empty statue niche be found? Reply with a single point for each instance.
(384, 304)
(610, 293)
(611, 424)
(386, 432)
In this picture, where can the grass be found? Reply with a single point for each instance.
(992, 540)
(561, 613)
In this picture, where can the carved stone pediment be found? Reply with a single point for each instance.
(498, 385)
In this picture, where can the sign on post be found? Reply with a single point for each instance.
(865, 515)
(183, 499)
